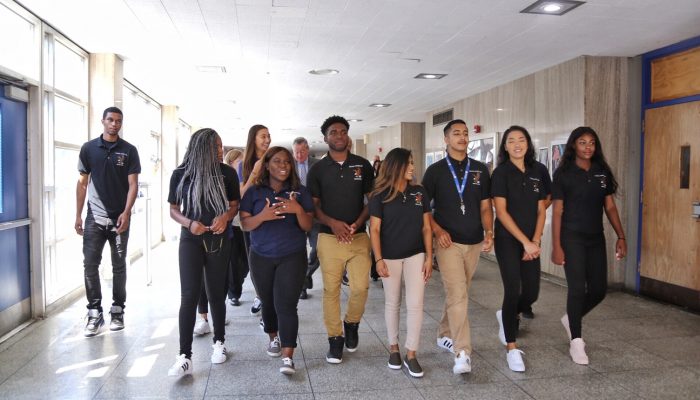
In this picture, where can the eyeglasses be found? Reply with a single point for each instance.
(212, 248)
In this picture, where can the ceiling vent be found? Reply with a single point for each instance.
(443, 117)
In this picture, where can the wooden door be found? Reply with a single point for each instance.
(670, 257)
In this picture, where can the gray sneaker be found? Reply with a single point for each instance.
(275, 348)
(94, 323)
(117, 322)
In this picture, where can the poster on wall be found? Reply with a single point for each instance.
(439, 155)
(557, 153)
(429, 159)
(543, 156)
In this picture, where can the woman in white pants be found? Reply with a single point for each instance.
(402, 244)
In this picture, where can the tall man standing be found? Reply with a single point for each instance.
(109, 166)
(302, 163)
(339, 184)
(460, 189)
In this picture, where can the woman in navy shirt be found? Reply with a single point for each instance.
(583, 188)
(278, 211)
(518, 190)
(402, 245)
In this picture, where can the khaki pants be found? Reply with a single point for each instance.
(334, 257)
(412, 270)
(457, 267)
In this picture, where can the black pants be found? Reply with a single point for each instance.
(205, 255)
(521, 282)
(279, 282)
(95, 235)
(239, 268)
(586, 268)
(312, 261)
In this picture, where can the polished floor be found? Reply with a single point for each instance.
(637, 348)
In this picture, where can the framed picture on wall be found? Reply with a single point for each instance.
(482, 147)
(439, 155)
(429, 159)
(543, 156)
(557, 153)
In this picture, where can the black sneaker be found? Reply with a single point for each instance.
(235, 302)
(335, 351)
(117, 322)
(94, 323)
(303, 295)
(256, 307)
(414, 369)
(394, 360)
(528, 314)
(346, 281)
(309, 284)
(351, 337)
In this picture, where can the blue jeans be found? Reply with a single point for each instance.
(97, 231)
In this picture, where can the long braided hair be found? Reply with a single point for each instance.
(201, 168)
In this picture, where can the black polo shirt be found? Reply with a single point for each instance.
(401, 231)
(109, 166)
(341, 188)
(583, 193)
(522, 191)
(230, 179)
(439, 184)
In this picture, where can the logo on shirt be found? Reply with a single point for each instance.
(418, 196)
(120, 159)
(357, 172)
(477, 178)
(535, 184)
(603, 180)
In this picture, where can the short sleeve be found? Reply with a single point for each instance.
(429, 182)
(134, 162)
(313, 180)
(485, 183)
(499, 183)
(233, 190)
(246, 203)
(367, 177)
(174, 181)
(426, 200)
(558, 188)
(376, 207)
(609, 190)
(546, 180)
(305, 199)
(83, 163)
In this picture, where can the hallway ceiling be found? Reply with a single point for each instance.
(267, 48)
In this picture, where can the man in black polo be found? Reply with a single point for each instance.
(109, 168)
(460, 189)
(339, 184)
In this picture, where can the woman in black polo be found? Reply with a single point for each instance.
(278, 211)
(583, 188)
(517, 187)
(203, 199)
(402, 245)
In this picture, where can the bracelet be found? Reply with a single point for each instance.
(621, 239)
(381, 259)
(189, 227)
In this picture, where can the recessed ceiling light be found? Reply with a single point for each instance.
(325, 71)
(424, 75)
(380, 105)
(217, 69)
(499, 109)
(355, 120)
(552, 7)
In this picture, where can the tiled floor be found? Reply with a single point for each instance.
(638, 349)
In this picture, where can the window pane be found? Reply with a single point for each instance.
(70, 71)
(18, 49)
(71, 124)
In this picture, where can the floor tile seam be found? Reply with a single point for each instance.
(517, 384)
(113, 370)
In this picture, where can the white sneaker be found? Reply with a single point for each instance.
(515, 360)
(182, 366)
(577, 350)
(445, 343)
(565, 322)
(501, 331)
(463, 363)
(201, 327)
(218, 352)
(275, 347)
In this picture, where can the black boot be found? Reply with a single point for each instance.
(351, 337)
(335, 351)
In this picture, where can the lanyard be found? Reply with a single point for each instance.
(460, 188)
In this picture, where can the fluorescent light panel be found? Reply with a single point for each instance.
(425, 75)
